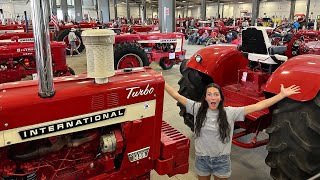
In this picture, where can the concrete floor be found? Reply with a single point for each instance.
(247, 164)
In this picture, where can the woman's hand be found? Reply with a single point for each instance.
(289, 90)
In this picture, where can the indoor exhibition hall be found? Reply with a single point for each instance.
(160, 89)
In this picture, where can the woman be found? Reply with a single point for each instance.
(214, 124)
(72, 40)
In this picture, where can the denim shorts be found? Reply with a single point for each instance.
(219, 166)
(73, 44)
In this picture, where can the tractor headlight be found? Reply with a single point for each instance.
(198, 58)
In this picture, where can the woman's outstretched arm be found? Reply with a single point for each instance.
(285, 92)
(181, 99)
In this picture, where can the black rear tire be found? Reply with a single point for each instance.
(183, 65)
(64, 34)
(192, 85)
(123, 49)
(294, 140)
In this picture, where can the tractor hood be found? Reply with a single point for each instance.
(147, 38)
(134, 94)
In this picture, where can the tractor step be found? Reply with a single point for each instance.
(237, 98)
(174, 152)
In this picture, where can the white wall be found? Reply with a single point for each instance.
(228, 11)
(11, 10)
(212, 10)
(277, 9)
(195, 12)
(280, 8)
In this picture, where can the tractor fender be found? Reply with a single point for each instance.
(300, 70)
(221, 62)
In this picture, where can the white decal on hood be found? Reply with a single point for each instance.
(137, 91)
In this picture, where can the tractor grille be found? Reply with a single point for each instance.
(97, 102)
(100, 101)
(112, 99)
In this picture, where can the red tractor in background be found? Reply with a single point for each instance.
(219, 27)
(251, 73)
(11, 28)
(17, 60)
(297, 42)
(60, 34)
(138, 50)
(131, 50)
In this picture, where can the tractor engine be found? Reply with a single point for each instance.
(165, 47)
(99, 125)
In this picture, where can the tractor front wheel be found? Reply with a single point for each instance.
(294, 139)
(166, 63)
(192, 86)
(129, 55)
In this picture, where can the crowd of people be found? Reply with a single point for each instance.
(213, 38)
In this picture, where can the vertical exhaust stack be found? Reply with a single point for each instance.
(40, 23)
(99, 50)
(3, 21)
(26, 21)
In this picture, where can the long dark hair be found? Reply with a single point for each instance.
(224, 127)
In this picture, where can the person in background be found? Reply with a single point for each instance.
(238, 40)
(229, 37)
(72, 40)
(221, 39)
(193, 37)
(213, 125)
(245, 23)
(311, 24)
(203, 37)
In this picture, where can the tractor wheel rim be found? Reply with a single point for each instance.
(68, 47)
(167, 62)
(129, 61)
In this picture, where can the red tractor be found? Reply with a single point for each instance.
(60, 34)
(137, 50)
(219, 27)
(251, 73)
(17, 60)
(88, 127)
(301, 42)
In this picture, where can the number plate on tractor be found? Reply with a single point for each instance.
(172, 55)
(139, 154)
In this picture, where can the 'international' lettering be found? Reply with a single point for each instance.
(70, 124)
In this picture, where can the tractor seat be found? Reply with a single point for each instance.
(267, 58)
(256, 46)
(277, 50)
